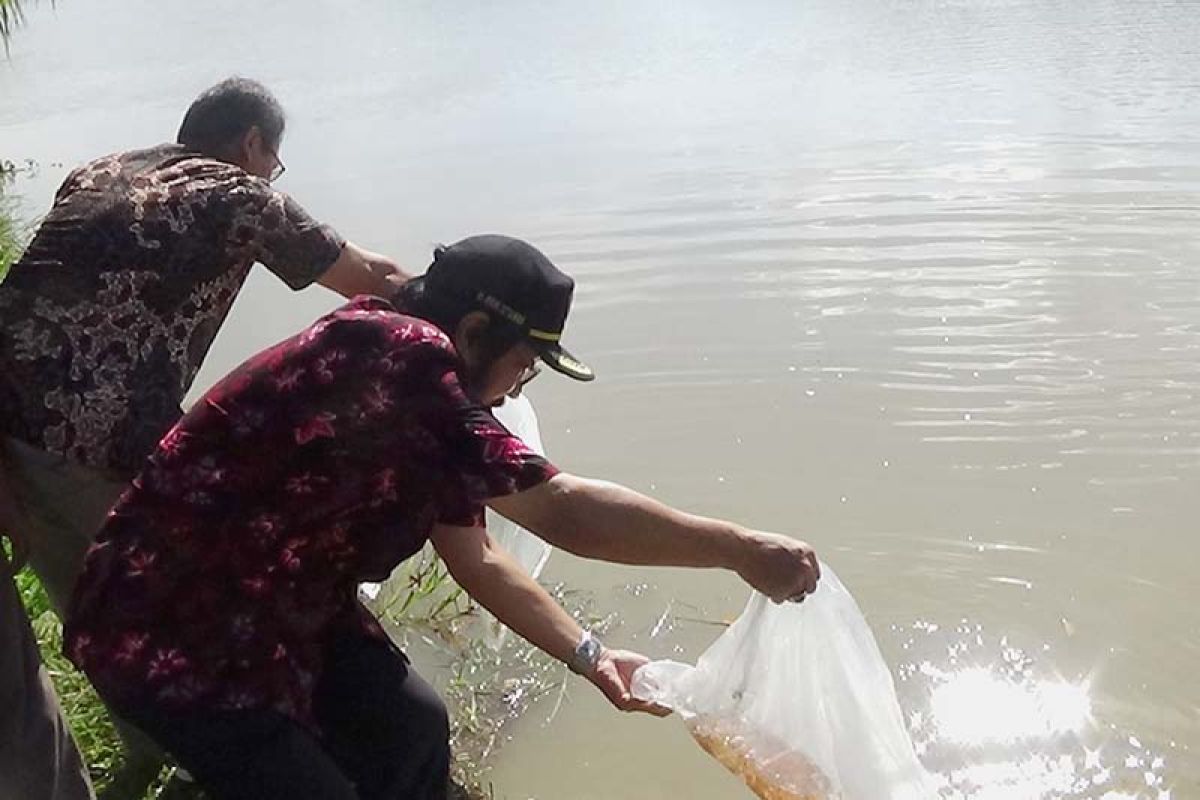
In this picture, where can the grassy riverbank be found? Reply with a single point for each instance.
(11, 231)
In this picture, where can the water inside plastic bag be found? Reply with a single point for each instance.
(771, 769)
(797, 700)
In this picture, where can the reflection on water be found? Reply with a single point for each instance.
(995, 723)
(915, 280)
(976, 706)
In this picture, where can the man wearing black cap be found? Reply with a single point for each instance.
(218, 608)
(498, 275)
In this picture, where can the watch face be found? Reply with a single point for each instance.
(586, 654)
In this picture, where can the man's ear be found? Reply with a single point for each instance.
(468, 335)
(249, 143)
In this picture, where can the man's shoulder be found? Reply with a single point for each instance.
(177, 163)
(171, 162)
(401, 329)
(139, 159)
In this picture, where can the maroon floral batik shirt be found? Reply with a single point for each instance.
(317, 464)
(105, 319)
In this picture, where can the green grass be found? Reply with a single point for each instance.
(11, 236)
(486, 686)
(13, 232)
(10, 18)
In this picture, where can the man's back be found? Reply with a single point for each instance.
(105, 319)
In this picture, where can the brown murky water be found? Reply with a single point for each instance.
(914, 280)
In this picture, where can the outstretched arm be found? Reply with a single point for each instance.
(489, 575)
(601, 520)
(358, 271)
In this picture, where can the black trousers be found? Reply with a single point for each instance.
(385, 737)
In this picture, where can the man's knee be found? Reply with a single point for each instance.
(426, 735)
(418, 754)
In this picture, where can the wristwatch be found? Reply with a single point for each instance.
(587, 654)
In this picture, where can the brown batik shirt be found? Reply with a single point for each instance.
(105, 319)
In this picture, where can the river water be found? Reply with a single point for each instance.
(913, 280)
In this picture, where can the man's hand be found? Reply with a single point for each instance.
(386, 269)
(613, 676)
(779, 567)
(359, 271)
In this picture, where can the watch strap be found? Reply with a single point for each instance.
(586, 655)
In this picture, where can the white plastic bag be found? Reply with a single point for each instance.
(796, 699)
(530, 552)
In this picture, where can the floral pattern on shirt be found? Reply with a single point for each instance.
(319, 463)
(106, 317)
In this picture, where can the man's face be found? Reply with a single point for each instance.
(261, 158)
(503, 375)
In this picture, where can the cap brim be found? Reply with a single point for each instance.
(559, 360)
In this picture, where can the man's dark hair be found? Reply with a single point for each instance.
(220, 117)
(500, 336)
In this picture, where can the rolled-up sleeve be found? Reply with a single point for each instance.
(468, 454)
(483, 460)
(291, 243)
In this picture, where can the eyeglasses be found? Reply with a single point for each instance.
(527, 374)
(277, 170)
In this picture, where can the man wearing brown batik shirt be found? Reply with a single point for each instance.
(103, 325)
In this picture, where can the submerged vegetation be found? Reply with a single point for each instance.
(487, 677)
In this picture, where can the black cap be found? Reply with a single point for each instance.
(515, 281)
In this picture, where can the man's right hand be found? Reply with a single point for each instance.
(779, 567)
(613, 676)
(359, 271)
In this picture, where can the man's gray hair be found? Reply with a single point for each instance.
(222, 114)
